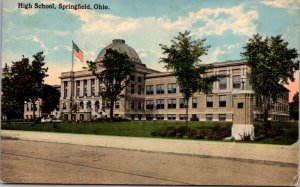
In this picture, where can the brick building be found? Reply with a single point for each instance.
(154, 95)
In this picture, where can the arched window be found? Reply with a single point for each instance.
(97, 105)
(81, 105)
(88, 104)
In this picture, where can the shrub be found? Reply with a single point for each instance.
(170, 131)
(182, 131)
(245, 137)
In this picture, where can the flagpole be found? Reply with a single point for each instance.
(72, 81)
(72, 57)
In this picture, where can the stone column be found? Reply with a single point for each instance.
(81, 88)
(242, 115)
(89, 91)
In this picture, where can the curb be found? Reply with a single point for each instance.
(254, 153)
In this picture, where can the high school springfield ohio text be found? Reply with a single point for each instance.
(62, 6)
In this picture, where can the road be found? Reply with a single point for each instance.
(42, 162)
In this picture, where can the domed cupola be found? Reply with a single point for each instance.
(121, 47)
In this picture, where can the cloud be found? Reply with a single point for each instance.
(290, 4)
(98, 29)
(34, 39)
(218, 20)
(55, 32)
(23, 11)
(221, 52)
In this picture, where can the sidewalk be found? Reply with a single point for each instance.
(280, 154)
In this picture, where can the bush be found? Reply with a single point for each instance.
(182, 131)
(170, 131)
(215, 133)
(245, 137)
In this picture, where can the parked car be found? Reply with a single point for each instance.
(46, 120)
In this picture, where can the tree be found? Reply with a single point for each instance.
(11, 107)
(272, 65)
(183, 58)
(50, 98)
(28, 79)
(294, 107)
(116, 69)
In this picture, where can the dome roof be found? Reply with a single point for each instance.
(121, 47)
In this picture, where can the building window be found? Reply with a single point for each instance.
(132, 104)
(81, 105)
(222, 117)
(159, 117)
(182, 116)
(139, 79)
(65, 89)
(209, 101)
(182, 103)
(223, 83)
(194, 102)
(93, 91)
(209, 117)
(172, 88)
(139, 89)
(132, 78)
(85, 91)
(77, 88)
(89, 104)
(222, 101)
(160, 89)
(140, 105)
(78, 92)
(64, 106)
(117, 104)
(171, 103)
(149, 116)
(240, 105)
(237, 81)
(132, 88)
(171, 116)
(93, 87)
(149, 104)
(85, 87)
(149, 90)
(160, 104)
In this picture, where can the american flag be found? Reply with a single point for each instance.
(77, 52)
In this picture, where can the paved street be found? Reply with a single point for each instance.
(41, 162)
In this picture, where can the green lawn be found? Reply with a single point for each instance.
(131, 128)
(288, 136)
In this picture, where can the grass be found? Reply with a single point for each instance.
(145, 128)
(131, 128)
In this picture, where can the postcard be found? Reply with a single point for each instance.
(147, 92)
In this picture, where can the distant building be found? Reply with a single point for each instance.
(28, 108)
(154, 95)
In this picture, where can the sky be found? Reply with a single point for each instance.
(143, 24)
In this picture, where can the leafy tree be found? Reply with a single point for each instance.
(183, 58)
(294, 107)
(272, 64)
(50, 98)
(11, 108)
(28, 79)
(116, 69)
